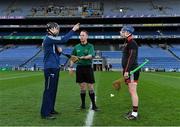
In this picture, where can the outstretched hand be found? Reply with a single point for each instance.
(76, 27)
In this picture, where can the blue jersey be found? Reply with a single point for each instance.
(51, 58)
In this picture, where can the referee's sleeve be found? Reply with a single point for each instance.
(91, 51)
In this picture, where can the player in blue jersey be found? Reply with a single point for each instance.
(51, 67)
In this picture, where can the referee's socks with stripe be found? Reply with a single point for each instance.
(83, 96)
(92, 97)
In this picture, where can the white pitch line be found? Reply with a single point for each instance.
(90, 115)
(22, 76)
(15, 74)
(169, 76)
(89, 118)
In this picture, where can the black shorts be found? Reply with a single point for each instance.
(133, 78)
(84, 74)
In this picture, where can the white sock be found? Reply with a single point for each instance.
(134, 114)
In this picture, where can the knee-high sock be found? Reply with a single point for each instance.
(83, 95)
(92, 97)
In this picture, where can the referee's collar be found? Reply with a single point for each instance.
(84, 44)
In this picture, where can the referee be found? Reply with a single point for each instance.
(84, 71)
(129, 63)
(51, 67)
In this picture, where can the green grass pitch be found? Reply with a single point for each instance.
(21, 94)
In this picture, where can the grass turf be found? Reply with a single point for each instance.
(21, 94)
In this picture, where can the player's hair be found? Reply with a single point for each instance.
(85, 31)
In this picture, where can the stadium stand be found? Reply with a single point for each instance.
(141, 8)
(113, 57)
(103, 36)
(155, 33)
(159, 58)
(176, 49)
(51, 8)
(13, 57)
(38, 61)
(76, 8)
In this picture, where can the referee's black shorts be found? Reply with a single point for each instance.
(84, 73)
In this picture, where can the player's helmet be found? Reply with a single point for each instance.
(51, 25)
(127, 28)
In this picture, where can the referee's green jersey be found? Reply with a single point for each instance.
(83, 50)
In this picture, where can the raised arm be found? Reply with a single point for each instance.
(59, 40)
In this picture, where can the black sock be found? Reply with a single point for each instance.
(92, 97)
(135, 108)
(83, 95)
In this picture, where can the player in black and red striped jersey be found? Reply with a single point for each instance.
(129, 63)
